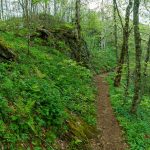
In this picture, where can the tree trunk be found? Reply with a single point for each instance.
(127, 77)
(2, 11)
(115, 29)
(55, 8)
(147, 57)
(27, 22)
(138, 52)
(78, 27)
(103, 38)
(124, 46)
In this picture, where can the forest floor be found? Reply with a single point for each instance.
(111, 137)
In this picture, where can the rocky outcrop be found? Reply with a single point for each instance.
(6, 52)
(68, 36)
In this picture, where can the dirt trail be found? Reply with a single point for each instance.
(111, 134)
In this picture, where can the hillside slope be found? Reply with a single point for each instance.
(43, 95)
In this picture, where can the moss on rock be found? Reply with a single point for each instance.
(5, 51)
(81, 133)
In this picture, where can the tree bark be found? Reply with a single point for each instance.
(78, 27)
(138, 52)
(103, 38)
(55, 7)
(127, 77)
(115, 29)
(124, 46)
(2, 11)
(147, 57)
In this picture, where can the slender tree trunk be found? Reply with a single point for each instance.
(78, 27)
(2, 10)
(103, 39)
(138, 51)
(147, 57)
(27, 22)
(45, 7)
(124, 46)
(78, 19)
(55, 8)
(145, 73)
(115, 28)
(127, 77)
(6, 8)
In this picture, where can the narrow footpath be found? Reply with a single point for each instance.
(111, 134)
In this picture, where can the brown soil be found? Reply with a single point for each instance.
(111, 134)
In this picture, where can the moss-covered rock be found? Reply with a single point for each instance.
(67, 36)
(5, 51)
(80, 133)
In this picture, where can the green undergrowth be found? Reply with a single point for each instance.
(103, 60)
(39, 92)
(136, 128)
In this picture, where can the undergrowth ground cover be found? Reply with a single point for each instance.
(38, 94)
(44, 93)
(136, 127)
(103, 60)
(49, 58)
